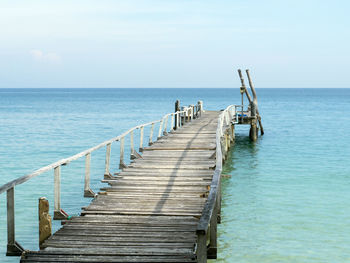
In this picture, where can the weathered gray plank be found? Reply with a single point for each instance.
(151, 209)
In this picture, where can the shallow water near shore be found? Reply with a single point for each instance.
(287, 199)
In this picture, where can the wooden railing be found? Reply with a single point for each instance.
(207, 226)
(177, 119)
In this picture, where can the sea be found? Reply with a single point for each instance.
(286, 197)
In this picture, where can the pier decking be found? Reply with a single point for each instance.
(150, 211)
(164, 206)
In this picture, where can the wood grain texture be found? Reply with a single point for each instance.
(149, 211)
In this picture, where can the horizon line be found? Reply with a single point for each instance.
(171, 87)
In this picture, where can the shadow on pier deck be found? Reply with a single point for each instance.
(162, 207)
(150, 211)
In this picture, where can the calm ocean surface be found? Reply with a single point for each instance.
(288, 197)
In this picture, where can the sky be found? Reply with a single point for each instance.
(182, 43)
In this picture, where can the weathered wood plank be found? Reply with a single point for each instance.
(151, 209)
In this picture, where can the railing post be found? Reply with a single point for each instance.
(45, 223)
(227, 143)
(121, 162)
(13, 248)
(201, 247)
(58, 214)
(212, 248)
(172, 123)
(192, 112)
(133, 154)
(160, 129)
(141, 139)
(200, 104)
(218, 202)
(87, 190)
(151, 135)
(233, 132)
(132, 150)
(228, 119)
(107, 173)
(165, 125)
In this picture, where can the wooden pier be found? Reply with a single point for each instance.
(162, 207)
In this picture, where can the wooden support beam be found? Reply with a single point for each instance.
(233, 135)
(212, 247)
(201, 248)
(253, 132)
(257, 111)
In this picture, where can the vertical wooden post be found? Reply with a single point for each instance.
(212, 249)
(255, 100)
(201, 248)
(177, 108)
(121, 161)
(228, 118)
(13, 248)
(151, 135)
(87, 190)
(107, 173)
(233, 135)
(58, 214)
(133, 154)
(132, 150)
(228, 138)
(165, 125)
(172, 123)
(141, 139)
(200, 104)
(218, 202)
(253, 133)
(45, 223)
(160, 129)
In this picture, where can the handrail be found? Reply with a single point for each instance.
(13, 248)
(213, 204)
(44, 169)
(203, 223)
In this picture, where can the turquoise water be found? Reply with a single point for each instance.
(287, 199)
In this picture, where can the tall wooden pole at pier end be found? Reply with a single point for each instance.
(257, 110)
(253, 105)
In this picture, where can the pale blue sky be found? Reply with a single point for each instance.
(182, 43)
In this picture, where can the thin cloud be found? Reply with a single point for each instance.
(39, 55)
